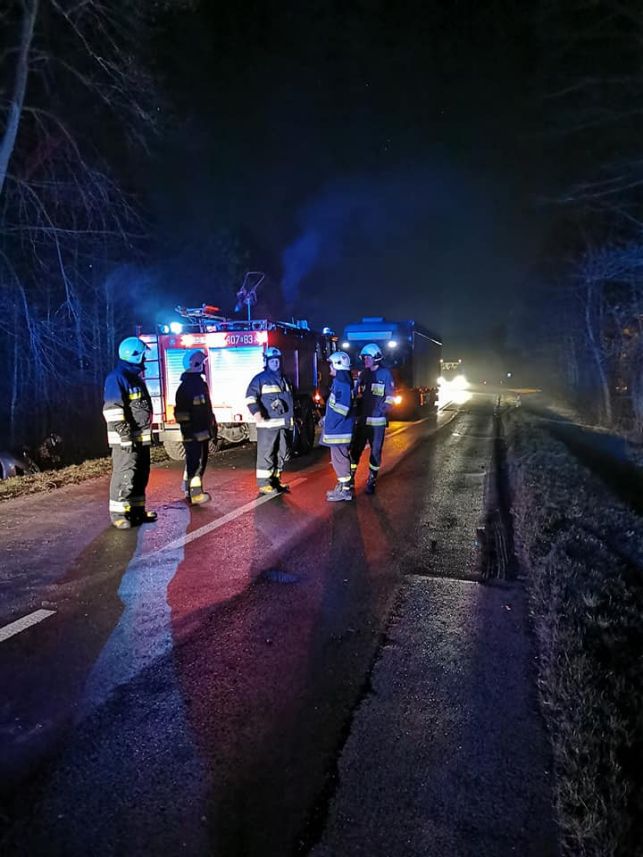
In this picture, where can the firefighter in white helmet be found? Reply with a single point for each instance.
(193, 413)
(269, 398)
(376, 395)
(339, 421)
(127, 411)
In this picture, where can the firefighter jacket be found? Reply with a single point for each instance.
(128, 406)
(271, 395)
(340, 411)
(376, 391)
(193, 409)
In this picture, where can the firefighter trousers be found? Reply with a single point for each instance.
(374, 436)
(196, 460)
(130, 475)
(273, 451)
(341, 461)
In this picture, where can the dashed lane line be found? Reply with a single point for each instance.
(220, 522)
(27, 621)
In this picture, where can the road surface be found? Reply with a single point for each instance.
(272, 676)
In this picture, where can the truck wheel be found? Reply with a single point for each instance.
(174, 449)
(304, 434)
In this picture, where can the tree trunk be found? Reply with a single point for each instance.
(597, 354)
(19, 88)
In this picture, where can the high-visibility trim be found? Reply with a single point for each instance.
(181, 416)
(344, 479)
(195, 482)
(337, 438)
(142, 436)
(277, 422)
(119, 506)
(133, 395)
(389, 400)
(197, 498)
(114, 439)
(373, 466)
(377, 389)
(199, 400)
(251, 400)
(375, 421)
(270, 388)
(353, 466)
(137, 502)
(261, 473)
(114, 415)
(339, 409)
(202, 435)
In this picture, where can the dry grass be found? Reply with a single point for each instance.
(583, 551)
(50, 480)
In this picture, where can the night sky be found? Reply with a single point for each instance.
(375, 158)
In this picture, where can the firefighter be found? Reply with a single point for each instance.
(339, 421)
(376, 391)
(269, 398)
(193, 413)
(128, 413)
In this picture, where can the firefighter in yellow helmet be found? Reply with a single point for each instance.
(193, 413)
(270, 400)
(127, 411)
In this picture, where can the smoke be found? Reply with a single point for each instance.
(365, 214)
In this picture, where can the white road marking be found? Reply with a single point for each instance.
(248, 507)
(221, 522)
(22, 624)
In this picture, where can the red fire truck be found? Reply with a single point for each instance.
(235, 354)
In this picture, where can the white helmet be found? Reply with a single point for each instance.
(340, 360)
(271, 353)
(371, 350)
(194, 359)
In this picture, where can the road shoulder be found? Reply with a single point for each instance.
(448, 754)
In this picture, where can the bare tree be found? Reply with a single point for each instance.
(73, 72)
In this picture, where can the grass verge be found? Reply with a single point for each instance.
(50, 480)
(583, 553)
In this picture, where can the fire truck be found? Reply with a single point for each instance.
(235, 354)
(410, 351)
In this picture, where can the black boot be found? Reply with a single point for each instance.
(370, 484)
(142, 516)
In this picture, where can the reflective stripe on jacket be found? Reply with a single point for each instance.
(271, 395)
(376, 390)
(127, 407)
(193, 409)
(340, 411)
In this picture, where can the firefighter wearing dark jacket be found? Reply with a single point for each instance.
(376, 392)
(339, 421)
(269, 398)
(128, 414)
(193, 413)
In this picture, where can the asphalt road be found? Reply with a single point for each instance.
(228, 680)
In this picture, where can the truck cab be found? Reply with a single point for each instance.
(410, 351)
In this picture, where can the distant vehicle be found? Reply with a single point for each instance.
(235, 354)
(410, 351)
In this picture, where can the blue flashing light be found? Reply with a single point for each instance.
(164, 328)
(176, 327)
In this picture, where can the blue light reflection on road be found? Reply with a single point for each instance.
(132, 766)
